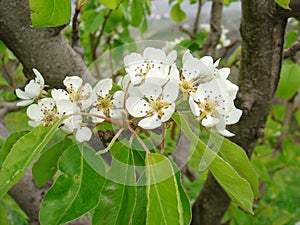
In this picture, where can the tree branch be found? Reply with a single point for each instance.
(212, 40)
(197, 20)
(262, 30)
(41, 48)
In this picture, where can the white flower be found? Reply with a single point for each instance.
(77, 92)
(45, 113)
(195, 71)
(157, 106)
(214, 107)
(105, 104)
(32, 90)
(154, 65)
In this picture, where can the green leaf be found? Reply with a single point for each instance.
(45, 168)
(283, 3)
(235, 186)
(92, 20)
(111, 4)
(238, 159)
(177, 14)
(23, 153)
(136, 13)
(10, 141)
(77, 189)
(164, 203)
(118, 199)
(185, 201)
(50, 13)
(3, 216)
(289, 81)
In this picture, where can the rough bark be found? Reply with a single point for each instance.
(262, 29)
(41, 48)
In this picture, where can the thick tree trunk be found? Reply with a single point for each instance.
(43, 48)
(262, 29)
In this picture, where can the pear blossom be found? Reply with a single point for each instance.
(77, 92)
(153, 65)
(156, 107)
(214, 106)
(32, 90)
(195, 71)
(105, 104)
(44, 112)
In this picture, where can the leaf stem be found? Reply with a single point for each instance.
(111, 143)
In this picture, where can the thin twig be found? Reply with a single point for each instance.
(197, 20)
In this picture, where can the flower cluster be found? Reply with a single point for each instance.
(145, 97)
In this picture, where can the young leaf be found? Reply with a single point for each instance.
(136, 12)
(10, 141)
(185, 201)
(118, 199)
(45, 168)
(164, 204)
(177, 14)
(50, 13)
(238, 159)
(76, 190)
(283, 3)
(23, 153)
(111, 4)
(289, 81)
(235, 186)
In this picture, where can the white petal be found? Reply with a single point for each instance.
(47, 103)
(194, 107)
(168, 112)
(22, 94)
(103, 87)
(39, 78)
(124, 81)
(151, 122)
(170, 91)
(191, 68)
(187, 56)
(209, 121)
(171, 57)
(226, 133)
(66, 107)
(24, 103)
(73, 82)
(216, 63)
(150, 90)
(174, 73)
(135, 91)
(133, 59)
(97, 112)
(86, 103)
(117, 114)
(32, 89)
(71, 123)
(118, 99)
(156, 76)
(207, 66)
(155, 54)
(34, 112)
(223, 73)
(137, 107)
(86, 90)
(83, 134)
(233, 116)
(59, 94)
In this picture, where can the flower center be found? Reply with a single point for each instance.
(186, 86)
(50, 115)
(158, 106)
(105, 104)
(208, 108)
